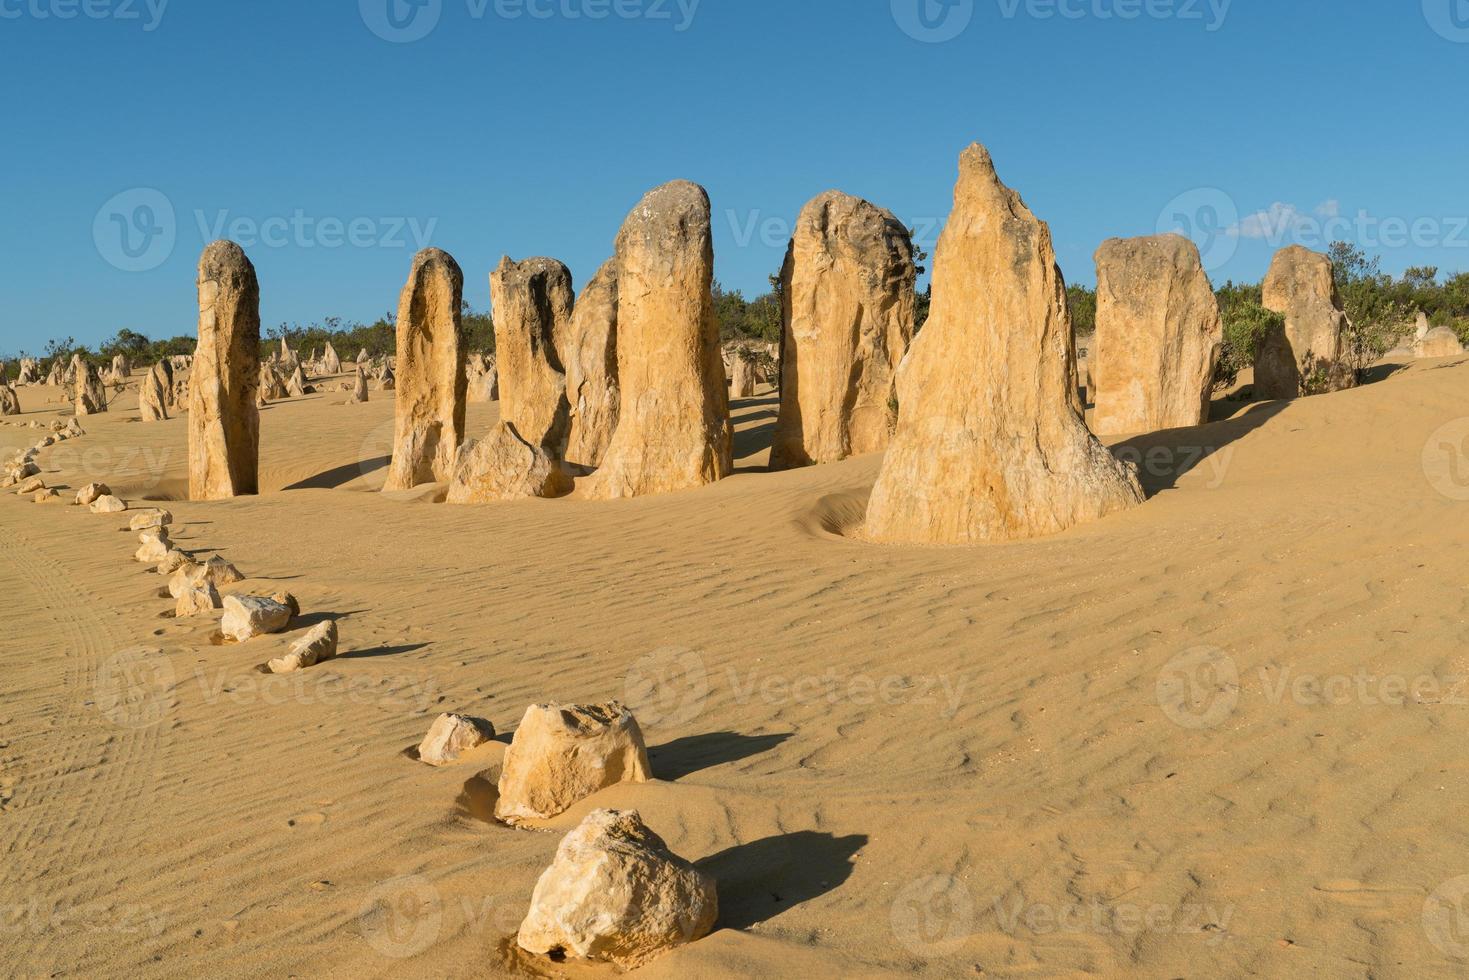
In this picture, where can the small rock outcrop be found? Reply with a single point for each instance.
(317, 647)
(153, 396)
(249, 616)
(91, 395)
(616, 893)
(562, 754)
(452, 735)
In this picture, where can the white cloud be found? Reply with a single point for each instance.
(1281, 220)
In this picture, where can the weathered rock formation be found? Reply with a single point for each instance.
(1158, 336)
(359, 386)
(429, 426)
(9, 401)
(591, 370)
(503, 466)
(484, 379)
(848, 304)
(318, 646)
(742, 376)
(673, 431)
(563, 754)
(330, 362)
(153, 396)
(990, 443)
(248, 616)
(616, 893)
(1439, 342)
(452, 735)
(224, 421)
(532, 302)
(1308, 355)
(91, 395)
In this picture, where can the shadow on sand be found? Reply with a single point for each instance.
(681, 757)
(763, 878)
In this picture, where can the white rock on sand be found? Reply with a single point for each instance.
(452, 735)
(561, 754)
(107, 504)
(616, 893)
(87, 494)
(249, 616)
(154, 546)
(317, 646)
(197, 601)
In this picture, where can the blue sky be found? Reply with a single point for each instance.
(530, 127)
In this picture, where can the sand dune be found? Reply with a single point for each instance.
(923, 761)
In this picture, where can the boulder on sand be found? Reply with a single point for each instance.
(107, 504)
(451, 735)
(154, 546)
(317, 646)
(89, 493)
(153, 395)
(503, 466)
(616, 893)
(1438, 342)
(249, 616)
(562, 754)
(990, 443)
(9, 401)
(197, 600)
